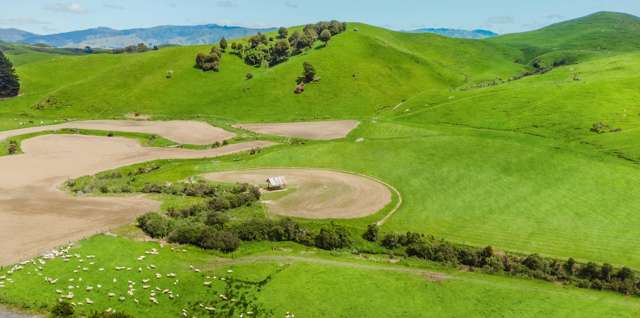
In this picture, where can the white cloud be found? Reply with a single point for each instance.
(71, 7)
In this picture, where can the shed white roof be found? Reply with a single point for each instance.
(277, 181)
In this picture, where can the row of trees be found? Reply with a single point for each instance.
(138, 48)
(260, 49)
(9, 82)
(590, 275)
(213, 229)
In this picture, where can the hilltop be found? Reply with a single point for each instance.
(362, 71)
(598, 32)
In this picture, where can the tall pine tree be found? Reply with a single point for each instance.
(9, 84)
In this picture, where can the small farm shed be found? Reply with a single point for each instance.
(276, 183)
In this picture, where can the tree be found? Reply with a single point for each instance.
(371, 234)
(210, 62)
(606, 272)
(9, 82)
(325, 36)
(570, 265)
(154, 225)
(281, 52)
(590, 271)
(220, 240)
(336, 27)
(258, 39)
(534, 262)
(334, 237)
(223, 44)
(283, 33)
(216, 219)
(308, 74)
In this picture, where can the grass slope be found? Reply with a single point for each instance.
(361, 73)
(602, 31)
(553, 105)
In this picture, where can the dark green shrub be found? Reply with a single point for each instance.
(391, 241)
(219, 204)
(283, 33)
(325, 36)
(334, 237)
(371, 234)
(308, 73)
(216, 219)
(534, 262)
(62, 309)
(187, 233)
(225, 241)
(589, 271)
(154, 224)
(12, 149)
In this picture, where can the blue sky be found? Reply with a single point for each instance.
(503, 16)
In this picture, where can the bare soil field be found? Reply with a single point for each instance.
(319, 194)
(180, 131)
(315, 130)
(35, 215)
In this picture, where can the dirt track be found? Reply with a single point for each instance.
(316, 130)
(290, 259)
(317, 194)
(180, 131)
(36, 216)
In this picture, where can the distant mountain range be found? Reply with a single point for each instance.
(457, 33)
(110, 38)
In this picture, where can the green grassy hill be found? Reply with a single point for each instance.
(362, 72)
(599, 32)
(478, 159)
(21, 54)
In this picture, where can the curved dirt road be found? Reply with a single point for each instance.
(180, 131)
(315, 130)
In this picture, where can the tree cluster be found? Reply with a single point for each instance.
(211, 61)
(590, 275)
(329, 237)
(203, 225)
(210, 227)
(261, 50)
(138, 48)
(9, 82)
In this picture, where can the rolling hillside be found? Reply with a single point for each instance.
(362, 72)
(601, 32)
(481, 155)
